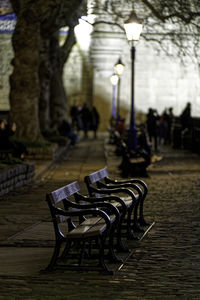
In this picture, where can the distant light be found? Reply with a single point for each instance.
(119, 67)
(82, 32)
(114, 78)
(133, 27)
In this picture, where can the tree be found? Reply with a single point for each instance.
(165, 21)
(36, 89)
(177, 21)
(37, 23)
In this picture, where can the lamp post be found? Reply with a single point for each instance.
(119, 69)
(114, 80)
(133, 29)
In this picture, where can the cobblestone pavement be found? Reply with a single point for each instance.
(164, 265)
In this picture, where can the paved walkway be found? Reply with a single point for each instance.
(164, 265)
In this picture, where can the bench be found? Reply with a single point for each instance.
(86, 225)
(98, 183)
(131, 182)
(134, 163)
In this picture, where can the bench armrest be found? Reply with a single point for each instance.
(84, 212)
(80, 197)
(131, 180)
(114, 191)
(125, 185)
(100, 204)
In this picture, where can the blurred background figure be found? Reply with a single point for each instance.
(7, 141)
(65, 129)
(152, 128)
(85, 118)
(95, 119)
(185, 117)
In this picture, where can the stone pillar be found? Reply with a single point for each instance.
(106, 47)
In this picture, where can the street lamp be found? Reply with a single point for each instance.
(133, 29)
(119, 69)
(114, 80)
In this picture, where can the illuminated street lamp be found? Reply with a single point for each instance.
(119, 69)
(133, 29)
(114, 80)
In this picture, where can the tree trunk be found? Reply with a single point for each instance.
(58, 99)
(24, 81)
(59, 56)
(45, 73)
(37, 21)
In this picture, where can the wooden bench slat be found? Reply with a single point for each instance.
(87, 231)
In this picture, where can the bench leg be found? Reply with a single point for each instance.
(141, 219)
(120, 245)
(101, 256)
(130, 233)
(65, 251)
(136, 225)
(82, 253)
(55, 255)
(111, 254)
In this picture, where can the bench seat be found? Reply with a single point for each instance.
(90, 227)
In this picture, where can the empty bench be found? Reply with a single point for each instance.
(98, 183)
(135, 191)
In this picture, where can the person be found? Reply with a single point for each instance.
(121, 127)
(144, 148)
(7, 142)
(170, 124)
(163, 127)
(111, 128)
(185, 117)
(94, 121)
(65, 129)
(73, 115)
(85, 118)
(152, 118)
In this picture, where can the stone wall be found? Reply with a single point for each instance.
(160, 81)
(15, 177)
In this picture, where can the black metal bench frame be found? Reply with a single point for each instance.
(130, 183)
(98, 229)
(96, 186)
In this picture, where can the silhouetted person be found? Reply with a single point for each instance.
(170, 124)
(121, 127)
(152, 118)
(94, 121)
(85, 118)
(74, 115)
(163, 127)
(6, 141)
(65, 129)
(185, 117)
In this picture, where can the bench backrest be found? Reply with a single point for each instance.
(65, 192)
(57, 196)
(96, 176)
